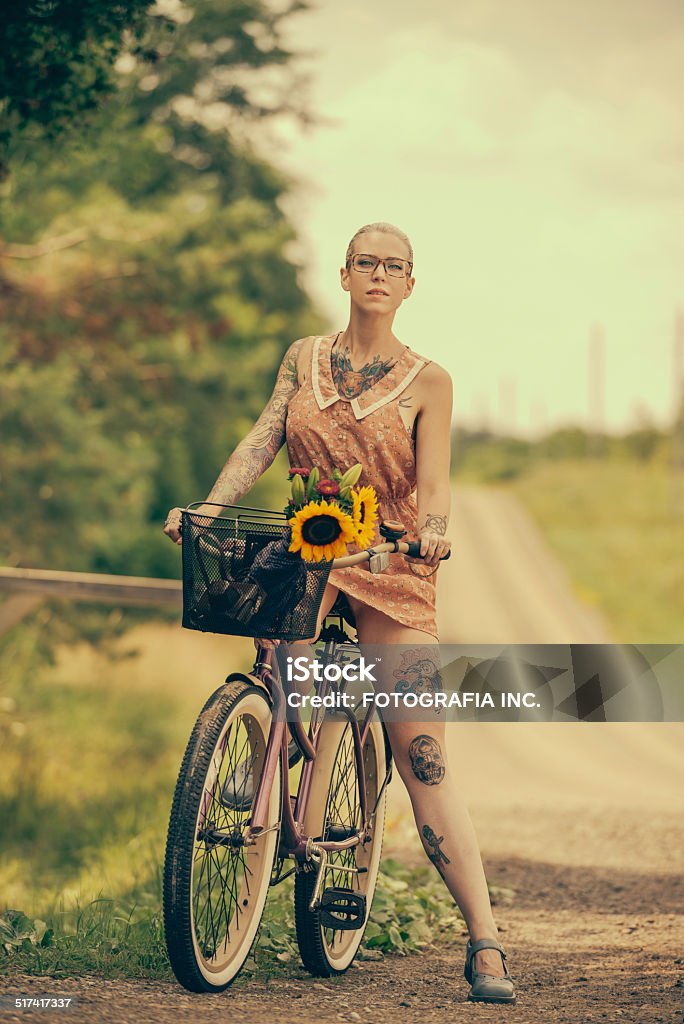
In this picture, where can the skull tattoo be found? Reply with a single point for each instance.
(427, 762)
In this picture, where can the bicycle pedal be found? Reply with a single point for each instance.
(338, 833)
(342, 909)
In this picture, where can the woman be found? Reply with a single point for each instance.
(360, 395)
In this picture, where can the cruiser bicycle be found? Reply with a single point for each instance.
(236, 827)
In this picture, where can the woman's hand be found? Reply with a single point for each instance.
(172, 526)
(433, 546)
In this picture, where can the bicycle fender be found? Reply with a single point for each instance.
(251, 680)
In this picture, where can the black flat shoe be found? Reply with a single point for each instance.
(237, 792)
(487, 988)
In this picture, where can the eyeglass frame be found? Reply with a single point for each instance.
(378, 261)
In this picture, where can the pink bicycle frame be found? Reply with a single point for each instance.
(292, 839)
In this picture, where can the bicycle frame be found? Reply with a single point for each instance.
(293, 841)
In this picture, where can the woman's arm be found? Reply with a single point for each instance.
(257, 450)
(433, 460)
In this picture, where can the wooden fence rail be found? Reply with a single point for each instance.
(28, 587)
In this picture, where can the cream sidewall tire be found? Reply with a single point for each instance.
(260, 856)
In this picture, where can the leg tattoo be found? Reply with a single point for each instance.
(427, 762)
(437, 857)
(418, 673)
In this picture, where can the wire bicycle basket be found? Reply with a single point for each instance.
(240, 579)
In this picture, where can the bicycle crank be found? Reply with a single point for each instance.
(320, 856)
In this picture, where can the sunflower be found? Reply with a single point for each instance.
(321, 531)
(365, 515)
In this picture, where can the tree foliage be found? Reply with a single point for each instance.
(59, 61)
(56, 60)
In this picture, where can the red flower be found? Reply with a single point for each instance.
(328, 487)
(299, 471)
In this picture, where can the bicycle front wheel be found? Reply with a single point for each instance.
(333, 813)
(215, 887)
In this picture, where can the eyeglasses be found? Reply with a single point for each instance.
(394, 266)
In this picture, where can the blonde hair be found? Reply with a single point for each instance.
(388, 229)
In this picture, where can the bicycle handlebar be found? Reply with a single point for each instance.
(410, 548)
(403, 547)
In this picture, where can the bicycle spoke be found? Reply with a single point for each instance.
(224, 870)
(223, 910)
(344, 812)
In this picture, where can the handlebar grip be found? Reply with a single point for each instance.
(414, 550)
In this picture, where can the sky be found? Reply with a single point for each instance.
(533, 151)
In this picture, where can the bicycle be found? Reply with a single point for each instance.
(234, 821)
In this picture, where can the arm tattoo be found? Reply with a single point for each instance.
(436, 523)
(427, 762)
(434, 842)
(256, 452)
(407, 403)
(290, 365)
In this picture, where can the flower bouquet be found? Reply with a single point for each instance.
(326, 514)
(241, 582)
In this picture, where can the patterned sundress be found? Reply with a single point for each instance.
(323, 429)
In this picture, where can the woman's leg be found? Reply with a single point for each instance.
(419, 750)
(329, 596)
(304, 648)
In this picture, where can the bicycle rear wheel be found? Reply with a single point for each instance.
(215, 887)
(332, 813)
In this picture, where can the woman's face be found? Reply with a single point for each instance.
(359, 285)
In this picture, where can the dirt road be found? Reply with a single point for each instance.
(583, 821)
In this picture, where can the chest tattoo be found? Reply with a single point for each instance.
(407, 419)
(351, 383)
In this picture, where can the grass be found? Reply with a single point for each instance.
(123, 937)
(615, 528)
(91, 750)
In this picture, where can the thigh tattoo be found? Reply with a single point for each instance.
(418, 673)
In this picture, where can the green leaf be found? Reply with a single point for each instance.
(15, 926)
